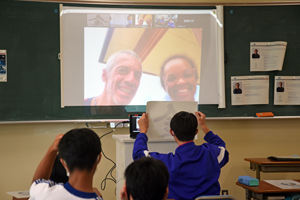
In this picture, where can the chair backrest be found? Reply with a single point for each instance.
(216, 197)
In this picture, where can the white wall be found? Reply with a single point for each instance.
(22, 146)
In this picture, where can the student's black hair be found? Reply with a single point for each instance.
(58, 174)
(146, 179)
(184, 125)
(80, 149)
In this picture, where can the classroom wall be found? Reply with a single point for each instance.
(22, 146)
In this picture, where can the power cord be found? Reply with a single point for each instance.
(112, 178)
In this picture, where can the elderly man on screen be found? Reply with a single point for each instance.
(122, 76)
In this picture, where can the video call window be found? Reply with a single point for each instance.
(131, 56)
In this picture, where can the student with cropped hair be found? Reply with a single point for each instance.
(194, 169)
(145, 179)
(80, 153)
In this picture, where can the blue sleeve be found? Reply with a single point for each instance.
(211, 138)
(140, 149)
(218, 145)
(140, 145)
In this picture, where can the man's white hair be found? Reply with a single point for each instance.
(112, 58)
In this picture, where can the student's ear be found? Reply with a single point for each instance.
(196, 132)
(123, 192)
(171, 132)
(63, 162)
(166, 194)
(104, 75)
(99, 158)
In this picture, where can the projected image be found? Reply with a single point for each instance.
(143, 20)
(119, 57)
(130, 66)
(168, 21)
(178, 77)
(101, 20)
(121, 20)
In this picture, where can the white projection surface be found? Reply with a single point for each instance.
(132, 56)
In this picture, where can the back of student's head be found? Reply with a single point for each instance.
(58, 173)
(184, 125)
(146, 179)
(80, 148)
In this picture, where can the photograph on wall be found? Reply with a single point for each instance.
(3, 66)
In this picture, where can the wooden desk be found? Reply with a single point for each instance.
(265, 189)
(268, 165)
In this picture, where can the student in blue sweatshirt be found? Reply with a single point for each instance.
(194, 169)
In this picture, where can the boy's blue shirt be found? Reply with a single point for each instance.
(194, 170)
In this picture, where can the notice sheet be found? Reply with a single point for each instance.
(247, 90)
(267, 56)
(287, 90)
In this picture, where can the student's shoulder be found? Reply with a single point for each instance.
(44, 181)
(42, 187)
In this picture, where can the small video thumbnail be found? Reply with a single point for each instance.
(143, 20)
(166, 21)
(98, 20)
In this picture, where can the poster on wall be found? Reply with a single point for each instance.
(249, 90)
(267, 56)
(287, 90)
(3, 66)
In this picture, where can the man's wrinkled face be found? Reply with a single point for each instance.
(123, 80)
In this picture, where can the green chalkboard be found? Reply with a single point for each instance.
(245, 24)
(259, 24)
(30, 34)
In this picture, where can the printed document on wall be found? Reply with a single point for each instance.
(3, 66)
(287, 90)
(267, 56)
(249, 90)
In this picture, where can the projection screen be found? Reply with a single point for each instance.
(112, 57)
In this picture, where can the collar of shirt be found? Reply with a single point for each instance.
(186, 143)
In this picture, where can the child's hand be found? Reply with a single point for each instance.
(54, 145)
(144, 123)
(200, 118)
(201, 121)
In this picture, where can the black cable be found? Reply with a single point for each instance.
(112, 174)
(103, 182)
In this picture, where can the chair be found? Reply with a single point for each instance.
(216, 197)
